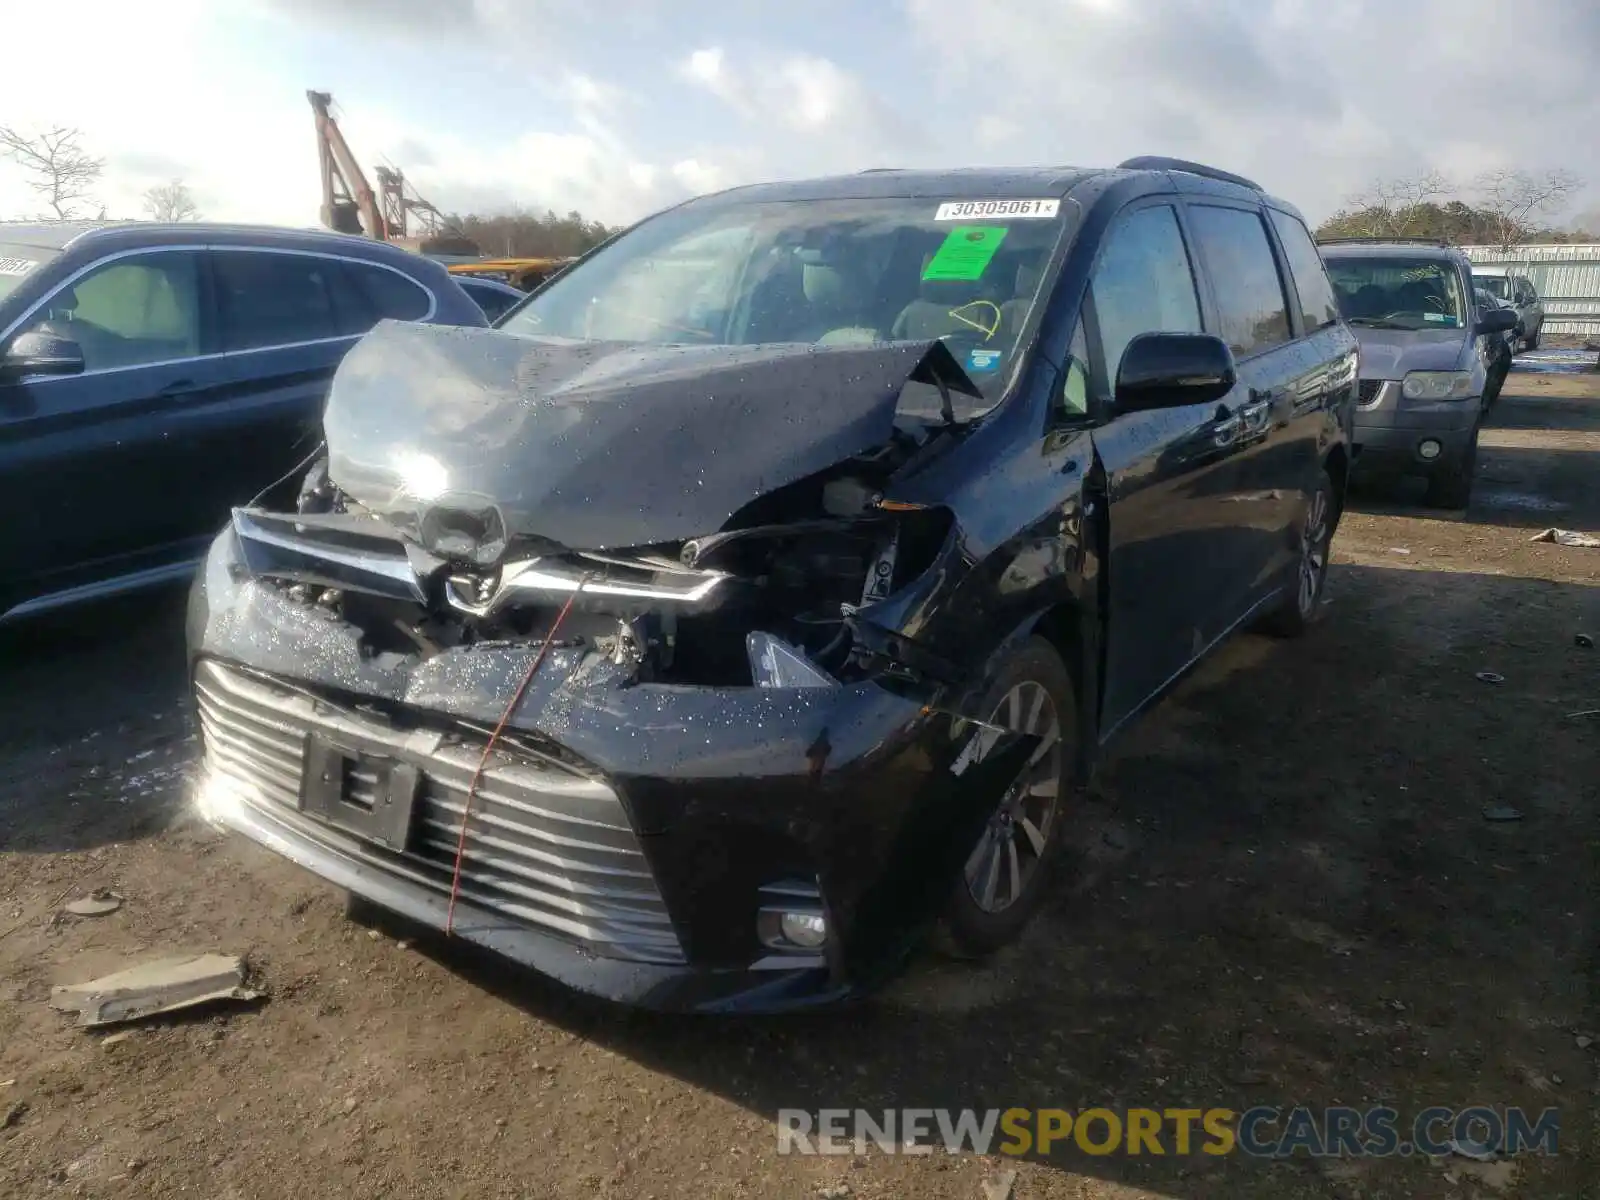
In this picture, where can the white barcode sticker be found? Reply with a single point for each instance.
(970, 210)
(16, 266)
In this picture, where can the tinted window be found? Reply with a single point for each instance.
(1143, 283)
(491, 300)
(1317, 305)
(391, 294)
(275, 299)
(1244, 275)
(135, 310)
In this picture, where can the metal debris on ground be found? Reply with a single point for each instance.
(1502, 812)
(1584, 640)
(1567, 537)
(97, 903)
(1584, 1041)
(1001, 1187)
(163, 986)
(13, 1114)
(1490, 677)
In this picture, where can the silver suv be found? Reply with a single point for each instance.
(1432, 358)
(1510, 286)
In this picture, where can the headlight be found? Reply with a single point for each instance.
(1437, 385)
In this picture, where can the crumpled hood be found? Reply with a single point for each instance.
(465, 437)
(1390, 353)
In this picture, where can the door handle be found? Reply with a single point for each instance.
(178, 387)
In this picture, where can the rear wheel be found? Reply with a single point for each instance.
(1532, 343)
(1450, 485)
(1004, 877)
(1301, 609)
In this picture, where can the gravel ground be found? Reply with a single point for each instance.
(1287, 893)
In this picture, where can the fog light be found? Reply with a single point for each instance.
(806, 930)
(1429, 449)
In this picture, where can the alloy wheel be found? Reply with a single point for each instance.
(1008, 854)
(1313, 551)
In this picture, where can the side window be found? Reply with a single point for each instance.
(390, 293)
(1075, 383)
(274, 299)
(1244, 275)
(1142, 284)
(1318, 308)
(130, 311)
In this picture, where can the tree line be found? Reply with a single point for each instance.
(525, 234)
(1503, 208)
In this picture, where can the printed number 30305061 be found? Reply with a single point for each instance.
(962, 210)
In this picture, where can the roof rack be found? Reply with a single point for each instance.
(1385, 241)
(1156, 162)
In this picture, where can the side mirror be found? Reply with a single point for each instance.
(1171, 370)
(1497, 320)
(38, 352)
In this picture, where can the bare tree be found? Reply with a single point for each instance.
(58, 167)
(1512, 199)
(1397, 207)
(171, 202)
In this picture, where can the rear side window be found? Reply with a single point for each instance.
(1143, 284)
(1244, 275)
(390, 293)
(275, 299)
(1318, 309)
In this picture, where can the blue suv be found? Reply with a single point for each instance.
(153, 376)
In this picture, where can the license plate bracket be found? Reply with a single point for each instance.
(370, 795)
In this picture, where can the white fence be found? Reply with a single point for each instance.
(1567, 277)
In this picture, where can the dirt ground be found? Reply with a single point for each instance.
(1288, 894)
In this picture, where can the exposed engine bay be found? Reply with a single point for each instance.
(770, 597)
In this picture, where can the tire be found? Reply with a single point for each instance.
(1450, 485)
(988, 909)
(1303, 608)
(1533, 342)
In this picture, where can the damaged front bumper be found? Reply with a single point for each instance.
(635, 841)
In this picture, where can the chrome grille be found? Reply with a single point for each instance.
(547, 844)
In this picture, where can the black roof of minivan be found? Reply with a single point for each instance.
(989, 183)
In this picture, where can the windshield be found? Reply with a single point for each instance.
(1495, 285)
(829, 272)
(1398, 293)
(18, 262)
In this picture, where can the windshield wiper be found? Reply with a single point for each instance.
(1377, 323)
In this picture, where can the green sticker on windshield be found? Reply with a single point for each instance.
(965, 253)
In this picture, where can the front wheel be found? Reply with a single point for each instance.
(1004, 877)
(1301, 610)
(1532, 343)
(1450, 485)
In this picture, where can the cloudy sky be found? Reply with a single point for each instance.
(490, 103)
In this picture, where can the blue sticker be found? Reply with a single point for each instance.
(983, 360)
